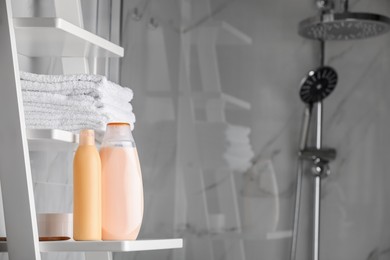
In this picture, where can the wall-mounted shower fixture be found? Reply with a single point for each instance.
(317, 85)
(330, 25)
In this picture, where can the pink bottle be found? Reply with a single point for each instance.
(122, 191)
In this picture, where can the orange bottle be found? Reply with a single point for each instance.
(87, 189)
(122, 191)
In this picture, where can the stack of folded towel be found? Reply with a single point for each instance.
(222, 144)
(74, 102)
(239, 153)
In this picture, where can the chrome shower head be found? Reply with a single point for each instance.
(344, 26)
(318, 84)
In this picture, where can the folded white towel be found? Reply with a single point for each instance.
(72, 127)
(237, 164)
(41, 102)
(70, 85)
(66, 106)
(240, 151)
(39, 98)
(72, 121)
(236, 131)
(73, 102)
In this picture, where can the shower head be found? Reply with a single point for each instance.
(318, 84)
(331, 26)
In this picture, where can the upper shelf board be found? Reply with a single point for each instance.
(274, 235)
(55, 37)
(105, 246)
(51, 139)
(222, 32)
(231, 35)
(231, 102)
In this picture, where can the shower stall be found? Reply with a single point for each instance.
(329, 25)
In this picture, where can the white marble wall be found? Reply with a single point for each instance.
(267, 74)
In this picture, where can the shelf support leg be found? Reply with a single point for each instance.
(70, 10)
(15, 172)
(98, 256)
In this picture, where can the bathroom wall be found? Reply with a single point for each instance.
(266, 73)
(261, 64)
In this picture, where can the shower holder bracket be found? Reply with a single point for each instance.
(312, 153)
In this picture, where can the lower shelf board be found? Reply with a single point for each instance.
(105, 246)
(51, 140)
(254, 236)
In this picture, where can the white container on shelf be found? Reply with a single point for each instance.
(55, 226)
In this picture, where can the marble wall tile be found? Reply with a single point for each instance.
(267, 74)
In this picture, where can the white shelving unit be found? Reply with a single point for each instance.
(255, 236)
(55, 37)
(202, 98)
(44, 37)
(105, 246)
(52, 135)
(51, 139)
(227, 34)
(230, 102)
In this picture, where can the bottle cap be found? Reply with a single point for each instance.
(118, 124)
(118, 131)
(87, 137)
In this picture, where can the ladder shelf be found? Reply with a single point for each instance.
(55, 37)
(43, 37)
(51, 139)
(105, 246)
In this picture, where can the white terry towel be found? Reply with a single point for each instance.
(53, 111)
(74, 121)
(73, 102)
(71, 85)
(41, 102)
(70, 122)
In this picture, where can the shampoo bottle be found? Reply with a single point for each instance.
(122, 191)
(87, 189)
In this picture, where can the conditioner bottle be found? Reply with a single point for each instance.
(87, 189)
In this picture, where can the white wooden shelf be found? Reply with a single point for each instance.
(227, 34)
(51, 139)
(235, 102)
(55, 37)
(275, 235)
(201, 99)
(105, 246)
